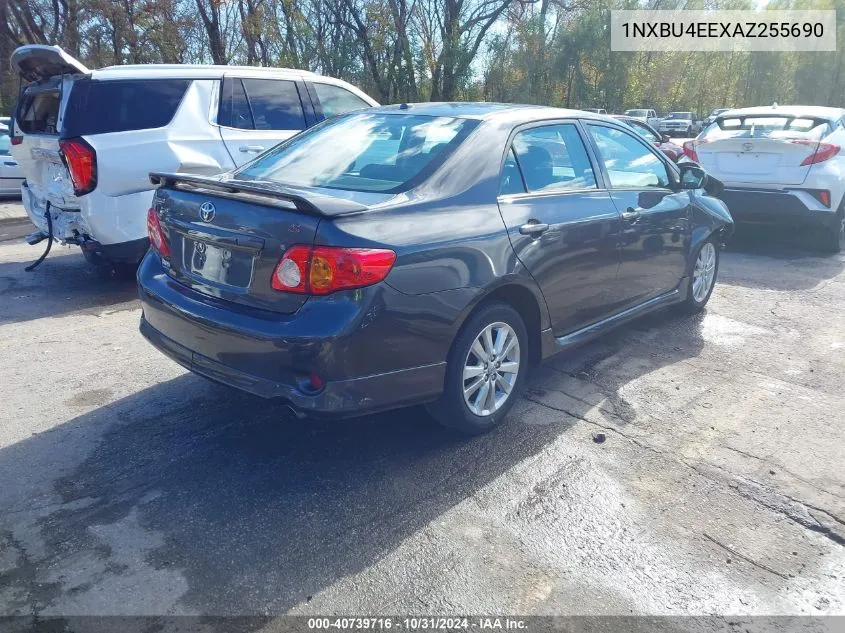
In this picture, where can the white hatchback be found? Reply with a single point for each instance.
(86, 140)
(781, 165)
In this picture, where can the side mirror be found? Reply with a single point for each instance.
(692, 176)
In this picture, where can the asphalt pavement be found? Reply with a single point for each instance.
(132, 487)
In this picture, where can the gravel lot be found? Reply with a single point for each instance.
(132, 487)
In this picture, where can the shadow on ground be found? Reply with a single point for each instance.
(258, 511)
(748, 259)
(62, 284)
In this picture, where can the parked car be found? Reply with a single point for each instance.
(781, 165)
(423, 253)
(648, 116)
(86, 140)
(595, 110)
(10, 173)
(660, 141)
(679, 124)
(712, 117)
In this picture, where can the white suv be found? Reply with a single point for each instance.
(86, 140)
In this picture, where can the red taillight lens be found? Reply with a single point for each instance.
(157, 237)
(321, 270)
(17, 140)
(81, 161)
(823, 152)
(689, 150)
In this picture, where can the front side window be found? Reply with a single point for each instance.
(376, 152)
(643, 131)
(552, 158)
(627, 161)
(335, 100)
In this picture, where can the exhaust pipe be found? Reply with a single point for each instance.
(34, 238)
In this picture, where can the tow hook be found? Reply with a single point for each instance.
(34, 238)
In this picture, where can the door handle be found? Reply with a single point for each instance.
(533, 228)
(631, 215)
(251, 148)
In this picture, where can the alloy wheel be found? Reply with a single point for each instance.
(704, 272)
(491, 369)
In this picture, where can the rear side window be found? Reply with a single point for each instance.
(553, 158)
(99, 107)
(261, 104)
(335, 100)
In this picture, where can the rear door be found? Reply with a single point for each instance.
(256, 114)
(655, 217)
(561, 222)
(766, 150)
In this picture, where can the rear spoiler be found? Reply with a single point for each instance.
(305, 201)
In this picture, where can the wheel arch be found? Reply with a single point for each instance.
(528, 302)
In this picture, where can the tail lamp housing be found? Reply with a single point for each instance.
(81, 162)
(158, 239)
(689, 150)
(322, 270)
(821, 151)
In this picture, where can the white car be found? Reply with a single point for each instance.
(646, 115)
(678, 124)
(86, 140)
(781, 165)
(11, 177)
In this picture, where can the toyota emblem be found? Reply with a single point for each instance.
(207, 211)
(747, 147)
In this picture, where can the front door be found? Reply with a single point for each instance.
(257, 114)
(562, 224)
(655, 214)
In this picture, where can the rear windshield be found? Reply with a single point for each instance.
(98, 107)
(379, 152)
(767, 126)
(636, 112)
(680, 115)
(38, 112)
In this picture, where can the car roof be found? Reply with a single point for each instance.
(512, 112)
(192, 71)
(816, 112)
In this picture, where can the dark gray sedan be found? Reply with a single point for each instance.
(423, 253)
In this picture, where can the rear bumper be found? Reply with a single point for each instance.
(777, 208)
(272, 356)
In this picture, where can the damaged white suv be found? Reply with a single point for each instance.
(86, 140)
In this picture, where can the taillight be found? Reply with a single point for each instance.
(157, 238)
(81, 161)
(823, 152)
(17, 140)
(822, 195)
(321, 270)
(689, 150)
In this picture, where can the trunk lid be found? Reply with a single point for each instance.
(226, 237)
(36, 62)
(756, 160)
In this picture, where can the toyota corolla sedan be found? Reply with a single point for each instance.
(423, 254)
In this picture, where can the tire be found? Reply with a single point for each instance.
(471, 415)
(696, 300)
(832, 240)
(108, 270)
